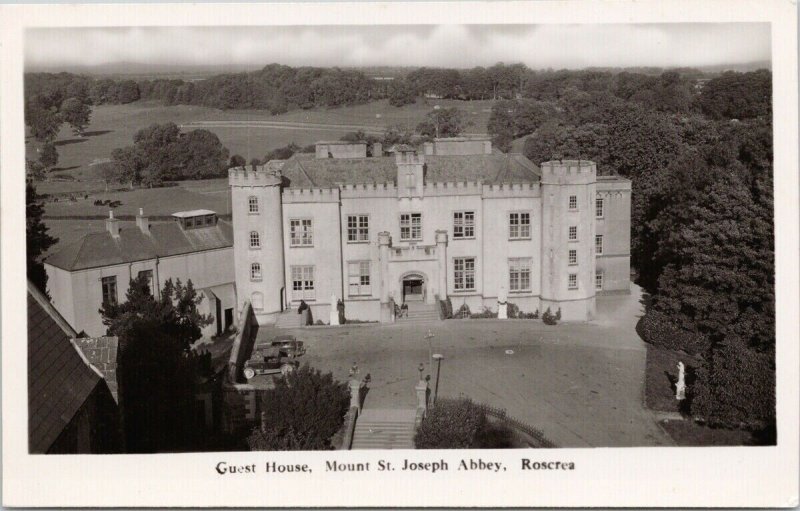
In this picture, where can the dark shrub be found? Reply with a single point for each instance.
(462, 312)
(657, 329)
(495, 435)
(512, 310)
(305, 410)
(549, 318)
(445, 309)
(736, 388)
(485, 313)
(450, 425)
(529, 315)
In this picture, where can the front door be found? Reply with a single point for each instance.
(413, 289)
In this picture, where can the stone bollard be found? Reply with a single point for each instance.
(355, 394)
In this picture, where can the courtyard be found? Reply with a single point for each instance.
(579, 383)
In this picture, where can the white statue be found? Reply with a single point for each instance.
(334, 315)
(502, 303)
(680, 387)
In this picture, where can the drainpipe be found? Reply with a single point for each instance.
(156, 281)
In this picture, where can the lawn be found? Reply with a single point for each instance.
(113, 126)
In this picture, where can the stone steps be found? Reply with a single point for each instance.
(289, 319)
(419, 311)
(385, 429)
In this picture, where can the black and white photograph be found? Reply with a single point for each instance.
(477, 248)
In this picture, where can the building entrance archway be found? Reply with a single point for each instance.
(413, 287)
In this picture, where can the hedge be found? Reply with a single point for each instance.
(657, 329)
(450, 425)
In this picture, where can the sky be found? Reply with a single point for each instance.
(459, 46)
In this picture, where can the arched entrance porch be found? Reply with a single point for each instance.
(413, 287)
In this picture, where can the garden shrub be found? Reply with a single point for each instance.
(549, 318)
(512, 310)
(484, 314)
(529, 315)
(450, 425)
(495, 435)
(736, 388)
(446, 309)
(658, 329)
(305, 410)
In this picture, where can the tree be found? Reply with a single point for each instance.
(738, 95)
(109, 171)
(401, 93)
(37, 240)
(48, 156)
(76, 114)
(44, 122)
(236, 161)
(199, 154)
(306, 408)
(128, 163)
(444, 122)
(34, 170)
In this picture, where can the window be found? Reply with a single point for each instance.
(573, 257)
(253, 204)
(357, 228)
(148, 274)
(303, 283)
(598, 244)
(301, 232)
(255, 240)
(188, 222)
(598, 208)
(109, 290)
(519, 271)
(519, 226)
(210, 219)
(411, 226)
(463, 224)
(255, 271)
(598, 280)
(573, 281)
(464, 273)
(358, 280)
(257, 301)
(573, 233)
(573, 202)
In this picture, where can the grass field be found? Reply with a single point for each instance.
(113, 126)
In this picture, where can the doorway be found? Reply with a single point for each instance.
(413, 288)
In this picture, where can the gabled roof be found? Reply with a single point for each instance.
(307, 171)
(166, 239)
(59, 378)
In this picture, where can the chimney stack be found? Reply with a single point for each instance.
(142, 222)
(112, 224)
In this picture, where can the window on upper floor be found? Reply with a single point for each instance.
(573, 257)
(109, 285)
(598, 280)
(357, 228)
(252, 202)
(255, 240)
(148, 274)
(519, 226)
(599, 205)
(573, 233)
(519, 274)
(255, 272)
(598, 244)
(463, 225)
(301, 232)
(573, 281)
(358, 278)
(303, 283)
(464, 273)
(573, 202)
(411, 226)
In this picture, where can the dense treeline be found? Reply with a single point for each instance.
(702, 215)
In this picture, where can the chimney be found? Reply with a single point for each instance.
(377, 150)
(142, 222)
(112, 224)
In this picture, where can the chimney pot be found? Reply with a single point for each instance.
(142, 222)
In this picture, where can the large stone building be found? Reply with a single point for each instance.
(454, 218)
(195, 245)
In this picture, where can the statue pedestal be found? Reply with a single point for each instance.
(502, 311)
(334, 317)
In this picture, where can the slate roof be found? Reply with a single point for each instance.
(59, 379)
(167, 239)
(307, 171)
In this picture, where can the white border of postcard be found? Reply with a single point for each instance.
(681, 477)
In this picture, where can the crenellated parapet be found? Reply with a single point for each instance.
(300, 195)
(511, 190)
(368, 190)
(453, 188)
(240, 176)
(568, 172)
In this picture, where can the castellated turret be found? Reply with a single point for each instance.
(568, 237)
(258, 239)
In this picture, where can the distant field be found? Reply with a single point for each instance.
(113, 126)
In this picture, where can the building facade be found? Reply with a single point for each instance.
(453, 219)
(98, 268)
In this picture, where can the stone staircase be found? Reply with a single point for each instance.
(420, 311)
(289, 319)
(385, 428)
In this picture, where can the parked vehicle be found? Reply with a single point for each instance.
(269, 357)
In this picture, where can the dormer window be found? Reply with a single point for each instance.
(196, 219)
